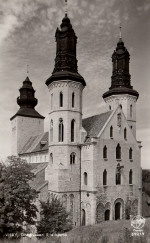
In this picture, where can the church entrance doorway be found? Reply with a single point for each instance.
(83, 217)
(117, 211)
(107, 214)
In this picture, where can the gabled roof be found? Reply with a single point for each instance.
(94, 124)
(34, 144)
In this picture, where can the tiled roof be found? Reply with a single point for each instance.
(37, 167)
(27, 112)
(39, 171)
(34, 144)
(94, 124)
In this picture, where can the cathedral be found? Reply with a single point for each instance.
(92, 164)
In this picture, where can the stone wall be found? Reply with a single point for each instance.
(22, 129)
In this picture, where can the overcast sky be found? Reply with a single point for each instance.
(27, 36)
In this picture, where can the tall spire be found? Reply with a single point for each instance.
(121, 78)
(65, 61)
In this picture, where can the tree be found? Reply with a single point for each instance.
(54, 218)
(16, 196)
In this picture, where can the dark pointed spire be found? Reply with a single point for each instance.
(26, 98)
(65, 61)
(121, 78)
(27, 101)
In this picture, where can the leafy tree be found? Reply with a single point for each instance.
(16, 196)
(146, 181)
(146, 176)
(54, 218)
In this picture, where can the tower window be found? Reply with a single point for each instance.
(105, 152)
(119, 119)
(130, 153)
(73, 99)
(130, 176)
(121, 106)
(72, 158)
(51, 158)
(72, 130)
(109, 107)
(51, 101)
(130, 110)
(111, 132)
(51, 131)
(131, 127)
(61, 99)
(118, 177)
(118, 152)
(125, 133)
(61, 130)
(85, 176)
(105, 177)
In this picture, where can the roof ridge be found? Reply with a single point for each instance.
(94, 124)
(97, 115)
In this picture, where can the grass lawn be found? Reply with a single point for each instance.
(109, 232)
(106, 232)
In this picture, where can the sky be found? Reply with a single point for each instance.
(27, 37)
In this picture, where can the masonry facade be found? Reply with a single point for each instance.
(92, 164)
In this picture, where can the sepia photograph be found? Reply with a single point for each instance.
(75, 121)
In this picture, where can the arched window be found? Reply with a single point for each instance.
(125, 133)
(51, 101)
(61, 130)
(73, 99)
(83, 216)
(105, 152)
(51, 158)
(118, 152)
(85, 178)
(131, 127)
(51, 131)
(118, 177)
(72, 158)
(72, 130)
(61, 99)
(130, 176)
(107, 215)
(130, 110)
(105, 177)
(117, 211)
(111, 132)
(109, 107)
(120, 106)
(130, 153)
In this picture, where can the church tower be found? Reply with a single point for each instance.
(121, 92)
(65, 89)
(27, 121)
